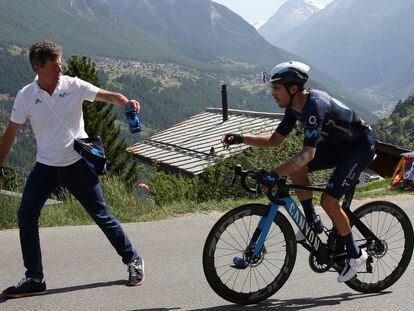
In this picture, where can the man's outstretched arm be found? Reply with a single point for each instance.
(117, 98)
(7, 140)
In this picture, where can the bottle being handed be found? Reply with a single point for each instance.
(133, 119)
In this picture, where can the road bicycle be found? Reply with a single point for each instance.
(265, 239)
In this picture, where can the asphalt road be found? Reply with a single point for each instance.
(84, 273)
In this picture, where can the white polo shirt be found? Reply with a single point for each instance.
(54, 142)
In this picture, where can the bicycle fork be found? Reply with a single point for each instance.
(259, 236)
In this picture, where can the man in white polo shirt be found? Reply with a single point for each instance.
(57, 163)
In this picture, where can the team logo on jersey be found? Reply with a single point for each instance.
(64, 94)
(312, 120)
(311, 133)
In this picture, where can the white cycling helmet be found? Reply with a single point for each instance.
(290, 72)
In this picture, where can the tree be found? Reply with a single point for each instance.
(99, 120)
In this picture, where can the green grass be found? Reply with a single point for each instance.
(128, 209)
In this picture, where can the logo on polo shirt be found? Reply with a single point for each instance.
(64, 94)
(38, 101)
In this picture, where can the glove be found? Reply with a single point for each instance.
(231, 139)
(269, 179)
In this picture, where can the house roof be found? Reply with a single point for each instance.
(191, 146)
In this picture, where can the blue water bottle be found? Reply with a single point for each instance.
(133, 120)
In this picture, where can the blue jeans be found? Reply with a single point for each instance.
(84, 185)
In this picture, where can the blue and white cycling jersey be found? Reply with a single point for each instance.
(324, 119)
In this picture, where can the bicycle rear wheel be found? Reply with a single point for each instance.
(229, 237)
(393, 227)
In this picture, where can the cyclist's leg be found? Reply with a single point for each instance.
(355, 158)
(300, 177)
(323, 159)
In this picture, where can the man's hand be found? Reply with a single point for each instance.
(268, 180)
(135, 104)
(231, 139)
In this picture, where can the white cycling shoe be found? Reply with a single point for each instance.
(352, 266)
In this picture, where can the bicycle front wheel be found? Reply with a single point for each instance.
(393, 227)
(230, 237)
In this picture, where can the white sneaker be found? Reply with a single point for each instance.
(299, 236)
(352, 266)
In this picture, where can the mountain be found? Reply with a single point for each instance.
(199, 28)
(82, 26)
(290, 15)
(203, 38)
(364, 44)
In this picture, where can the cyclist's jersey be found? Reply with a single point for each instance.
(324, 119)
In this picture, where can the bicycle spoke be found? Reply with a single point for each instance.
(229, 269)
(383, 223)
(255, 276)
(271, 263)
(234, 272)
(246, 242)
(275, 243)
(234, 253)
(235, 279)
(231, 245)
(235, 240)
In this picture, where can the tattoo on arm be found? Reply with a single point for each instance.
(301, 159)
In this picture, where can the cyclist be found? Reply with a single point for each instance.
(335, 137)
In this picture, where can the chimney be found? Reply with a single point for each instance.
(224, 106)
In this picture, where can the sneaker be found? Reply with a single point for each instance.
(136, 272)
(25, 287)
(352, 266)
(239, 263)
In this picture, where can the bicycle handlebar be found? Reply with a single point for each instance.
(272, 194)
(244, 174)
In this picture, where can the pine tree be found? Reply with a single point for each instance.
(99, 120)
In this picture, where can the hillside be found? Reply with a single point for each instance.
(173, 58)
(82, 26)
(200, 28)
(363, 44)
(398, 129)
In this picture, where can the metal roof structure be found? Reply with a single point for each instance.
(190, 146)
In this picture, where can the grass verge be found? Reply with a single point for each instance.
(130, 210)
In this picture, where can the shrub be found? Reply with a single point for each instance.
(215, 182)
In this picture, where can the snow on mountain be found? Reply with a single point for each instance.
(290, 15)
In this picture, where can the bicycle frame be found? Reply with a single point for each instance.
(283, 198)
(260, 234)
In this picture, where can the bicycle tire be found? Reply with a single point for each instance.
(228, 223)
(400, 222)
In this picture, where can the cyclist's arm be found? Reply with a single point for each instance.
(299, 160)
(265, 140)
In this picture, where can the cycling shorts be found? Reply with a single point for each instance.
(349, 160)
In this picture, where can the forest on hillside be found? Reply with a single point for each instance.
(398, 128)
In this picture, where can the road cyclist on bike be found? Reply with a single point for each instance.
(335, 137)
